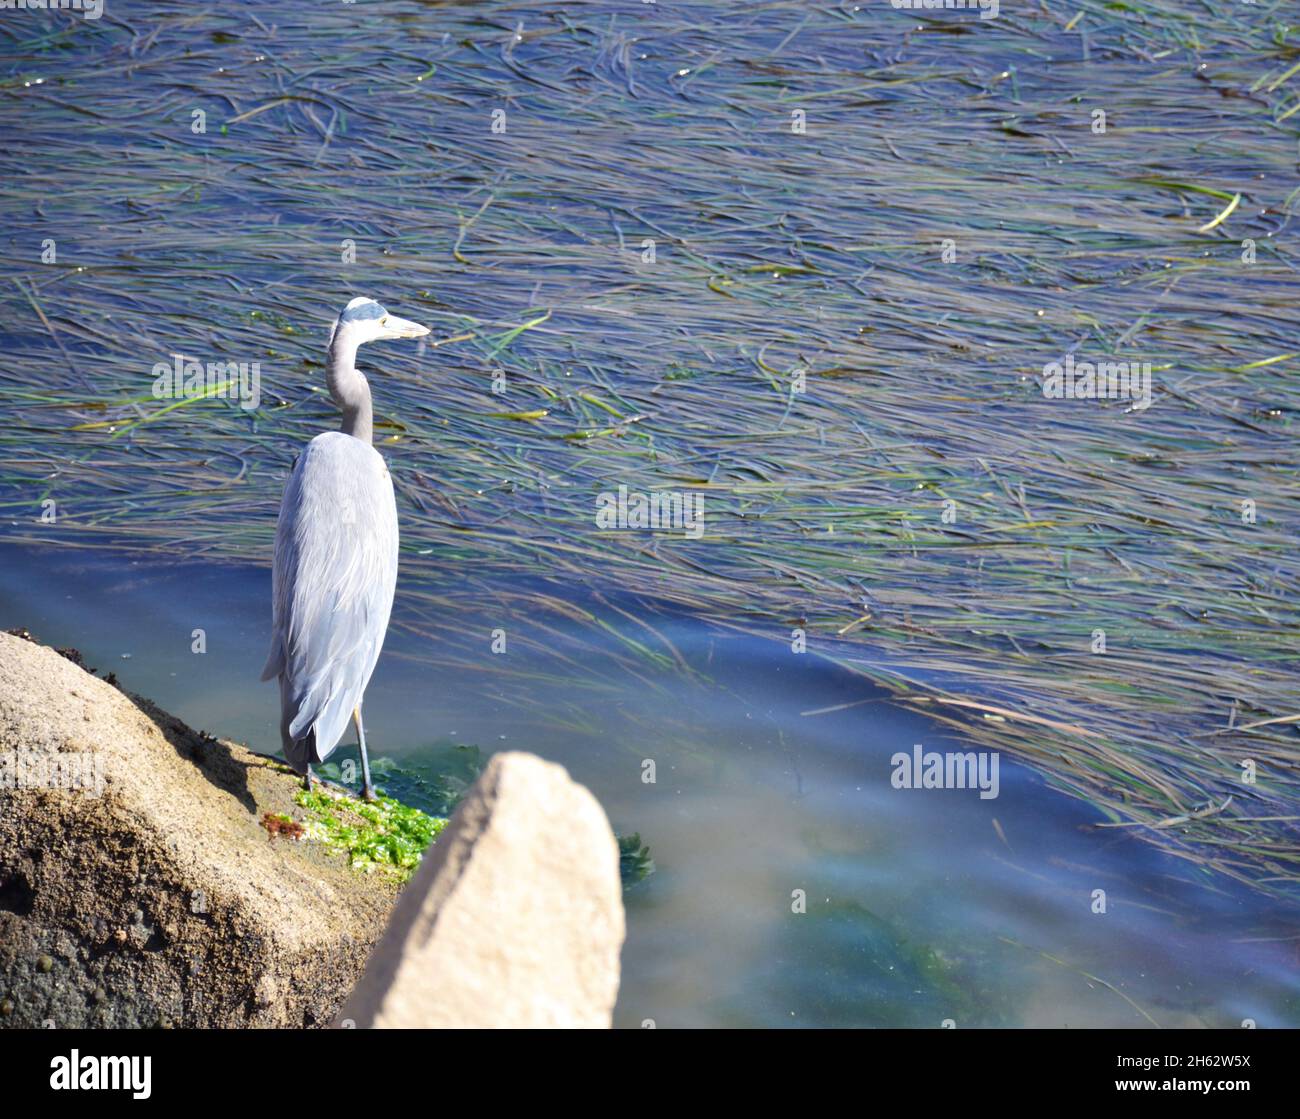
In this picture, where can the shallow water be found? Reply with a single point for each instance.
(921, 905)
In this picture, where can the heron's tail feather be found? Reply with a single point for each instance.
(299, 743)
(313, 716)
(324, 706)
(274, 660)
(300, 752)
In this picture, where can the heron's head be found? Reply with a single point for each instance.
(364, 320)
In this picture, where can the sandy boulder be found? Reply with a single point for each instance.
(152, 894)
(514, 919)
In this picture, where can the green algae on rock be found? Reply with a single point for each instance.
(385, 835)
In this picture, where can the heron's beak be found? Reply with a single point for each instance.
(393, 327)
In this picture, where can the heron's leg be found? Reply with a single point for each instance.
(308, 778)
(367, 791)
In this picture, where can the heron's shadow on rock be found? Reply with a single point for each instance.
(212, 757)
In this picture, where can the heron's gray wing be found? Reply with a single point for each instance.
(333, 582)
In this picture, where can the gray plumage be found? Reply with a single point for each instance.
(332, 590)
(335, 559)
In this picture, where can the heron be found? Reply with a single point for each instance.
(335, 567)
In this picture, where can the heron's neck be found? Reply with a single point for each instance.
(349, 389)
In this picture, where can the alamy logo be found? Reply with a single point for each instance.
(186, 379)
(33, 769)
(1103, 380)
(669, 511)
(113, 1074)
(89, 9)
(988, 9)
(933, 770)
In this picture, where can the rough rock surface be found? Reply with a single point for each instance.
(162, 901)
(514, 919)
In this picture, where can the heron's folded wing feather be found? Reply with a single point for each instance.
(335, 572)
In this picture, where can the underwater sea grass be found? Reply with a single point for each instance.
(780, 258)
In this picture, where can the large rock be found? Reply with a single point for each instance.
(160, 899)
(515, 918)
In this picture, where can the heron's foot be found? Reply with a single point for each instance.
(368, 795)
(314, 784)
(333, 787)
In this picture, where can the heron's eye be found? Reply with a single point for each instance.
(383, 321)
